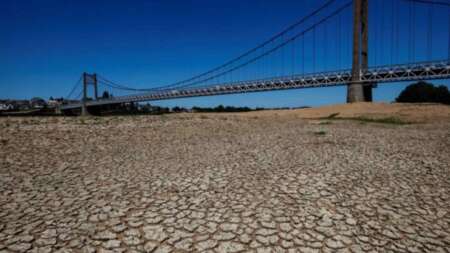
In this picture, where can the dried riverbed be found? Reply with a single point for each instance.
(223, 183)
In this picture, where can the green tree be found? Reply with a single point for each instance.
(106, 95)
(423, 92)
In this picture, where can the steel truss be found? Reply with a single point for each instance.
(382, 74)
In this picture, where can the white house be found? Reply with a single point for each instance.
(6, 107)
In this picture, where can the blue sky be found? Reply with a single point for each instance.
(47, 44)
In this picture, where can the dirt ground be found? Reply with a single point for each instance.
(405, 112)
(271, 181)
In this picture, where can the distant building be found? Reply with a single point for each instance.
(19, 105)
(38, 103)
(55, 102)
(6, 107)
(72, 101)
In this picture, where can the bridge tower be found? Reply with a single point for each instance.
(88, 79)
(357, 91)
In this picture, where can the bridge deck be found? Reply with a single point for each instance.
(394, 73)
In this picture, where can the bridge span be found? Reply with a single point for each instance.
(328, 47)
(383, 74)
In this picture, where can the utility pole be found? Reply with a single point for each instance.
(355, 91)
(84, 111)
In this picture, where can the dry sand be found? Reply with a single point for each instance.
(406, 112)
(254, 182)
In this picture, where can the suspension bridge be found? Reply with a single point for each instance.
(335, 45)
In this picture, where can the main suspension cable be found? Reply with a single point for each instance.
(247, 53)
(296, 36)
(74, 87)
(432, 2)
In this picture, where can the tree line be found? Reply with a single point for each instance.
(423, 92)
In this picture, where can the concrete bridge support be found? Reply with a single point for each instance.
(88, 79)
(357, 91)
(84, 111)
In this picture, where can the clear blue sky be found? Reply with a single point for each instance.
(46, 44)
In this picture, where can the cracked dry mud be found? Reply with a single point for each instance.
(222, 183)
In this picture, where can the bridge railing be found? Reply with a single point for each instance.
(385, 73)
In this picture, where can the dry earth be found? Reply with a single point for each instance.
(406, 112)
(257, 182)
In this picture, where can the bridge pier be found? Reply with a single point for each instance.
(358, 91)
(368, 88)
(88, 79)
(94, 77)
(84, 110)
(355, 93)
